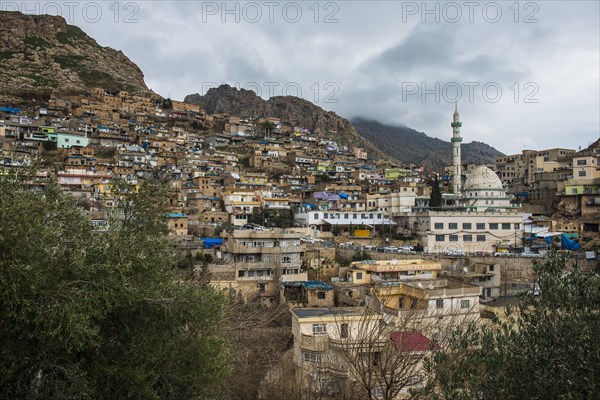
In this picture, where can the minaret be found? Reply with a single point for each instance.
(456, 139)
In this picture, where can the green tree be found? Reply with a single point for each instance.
(267, 127)
(436, 193)
(547, 348)
(167, 104)
(100, 316)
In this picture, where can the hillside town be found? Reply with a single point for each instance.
(360, 249)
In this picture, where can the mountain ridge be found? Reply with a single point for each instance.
(293, 110)
(42, 54)
(411, 146)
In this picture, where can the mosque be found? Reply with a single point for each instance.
(477, 217)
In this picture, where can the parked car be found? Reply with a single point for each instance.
(346, 245)
(369, 247)
(455, 252)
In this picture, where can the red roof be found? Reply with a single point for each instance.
(411, 341)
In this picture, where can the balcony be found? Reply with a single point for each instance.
(264, 278)
(327, 367)
(314, 343)
(239, 248)
(367, 342)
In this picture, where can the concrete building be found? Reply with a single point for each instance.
(455, 230)
(485, 275)
(334, 348)
(253, 264)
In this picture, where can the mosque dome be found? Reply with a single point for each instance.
(483, 178)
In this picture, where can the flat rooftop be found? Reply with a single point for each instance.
(330, 312)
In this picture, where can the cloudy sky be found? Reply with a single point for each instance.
(526, 75)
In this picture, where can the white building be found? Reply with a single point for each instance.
(480, 219)
(325, 220)
(484, 191)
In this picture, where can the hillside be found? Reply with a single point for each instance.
(293, 110)
(408, 145)
(41, 54)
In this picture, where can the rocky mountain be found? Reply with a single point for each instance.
(293, 110)
(408, 145)
(41, 53)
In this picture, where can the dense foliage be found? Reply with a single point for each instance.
(96, 315)
(547, 347)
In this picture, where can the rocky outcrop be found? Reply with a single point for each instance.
(40, 54)
(408, 145)
(292, 110)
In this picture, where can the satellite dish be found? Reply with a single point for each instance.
(420, 285)
(431, 286)
(394, 261)
(465, 270)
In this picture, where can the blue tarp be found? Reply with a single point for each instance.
(209, 243)
(343, 196)
(10, 110)
(568, 244)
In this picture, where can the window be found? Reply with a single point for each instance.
(311, 357)
(467, 238)
(325, 215)
(316, 215)
(505, 226)
(358, 275)
(453, 238)
(465, 303)
(517, 226)
(319, 329)
(438, 225)
(286, 259)
(346, 216)
(491, 268)
(467, 225)
(493, 226)
(439, 238)
(261, 288)
(481, 238)
(321, 295)
(581, 173)
(452, 225)
(344, 331)
(439, 303)
(480, 225)
(581, 162)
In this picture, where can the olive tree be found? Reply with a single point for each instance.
(85, 314)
